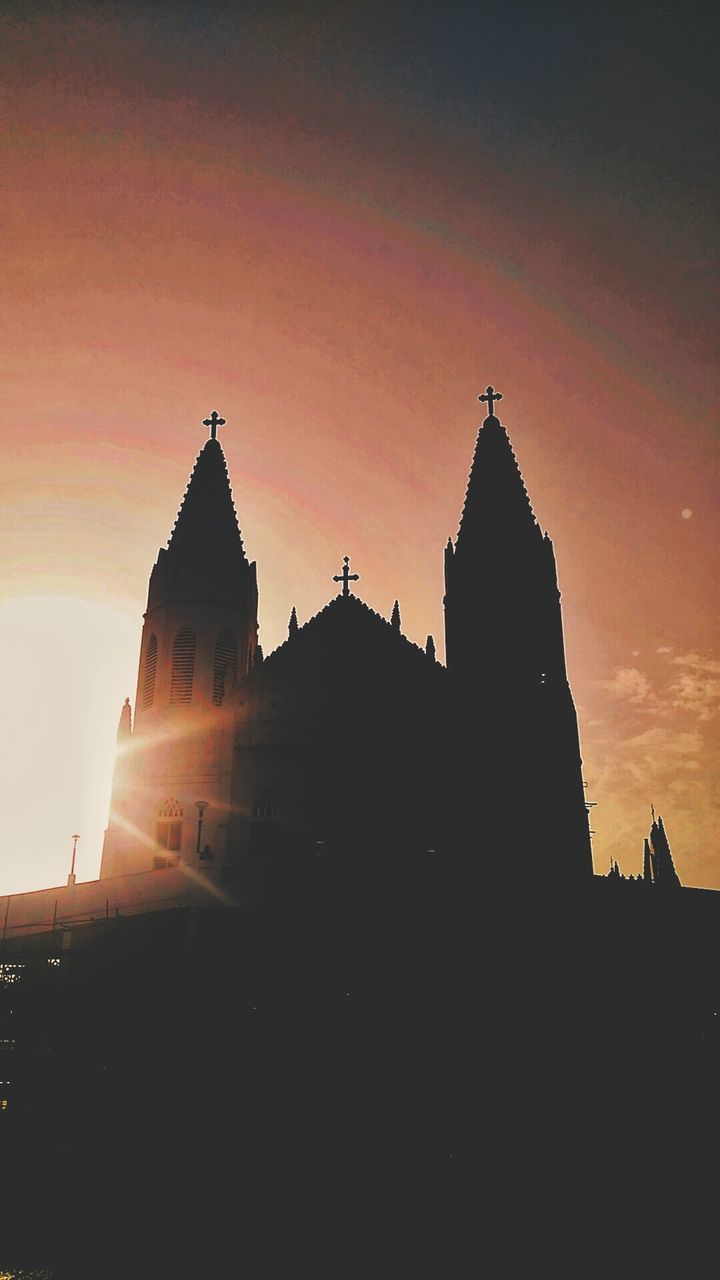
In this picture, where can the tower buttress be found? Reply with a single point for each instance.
(199, 639)
(515, 717)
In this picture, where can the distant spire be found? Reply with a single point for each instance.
(125, 725)
(292, 624)
(395, 616)
(664, 866)
(430, 648)
(647, 863)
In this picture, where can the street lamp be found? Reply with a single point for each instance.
(201, 806)
(71, 877)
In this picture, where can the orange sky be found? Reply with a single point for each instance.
(339, 266)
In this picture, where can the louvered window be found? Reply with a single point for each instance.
(225, 669)
(148, 693)
(183, 666)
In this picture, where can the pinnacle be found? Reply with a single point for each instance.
(206, 538)
(496, 502)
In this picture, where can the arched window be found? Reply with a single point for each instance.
(267, 806)
(148, 690)
(183, 666)
(168, 825)
(225, 668)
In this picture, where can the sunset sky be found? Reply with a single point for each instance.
(335, 224)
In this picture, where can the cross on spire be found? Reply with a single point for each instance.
(213, 422)
(346, 576)
(489, 397)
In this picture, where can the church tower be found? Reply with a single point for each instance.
(171, 786)
(517, 743)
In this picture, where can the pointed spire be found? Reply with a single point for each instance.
(125, 725)
(205, 545)
(647, 864)
(259, 656)
(430, 648)
(497, 505)
(292, 624)
(665, 873)
(395, 617)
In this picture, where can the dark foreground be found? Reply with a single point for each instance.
(367, 1076)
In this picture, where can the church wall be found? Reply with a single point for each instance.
(516, 723)
(177, 752)
(361, 771)
(186, 757)
(68, 906)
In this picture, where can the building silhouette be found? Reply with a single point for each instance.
(659, 870)
(349, 737)
(346, 968)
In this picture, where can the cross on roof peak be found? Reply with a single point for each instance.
(489, 397)
(213, 422)
(346, 576)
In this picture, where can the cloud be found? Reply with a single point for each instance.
(688, 682)
(696, 687)
(658, 742)
(698, 694)
(658, 739)
(629, 684)
(698, 662)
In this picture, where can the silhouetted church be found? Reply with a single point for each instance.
(349, 739)
(369, 1027)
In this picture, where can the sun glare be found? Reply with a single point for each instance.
(67, 666)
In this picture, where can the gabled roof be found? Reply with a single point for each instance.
(342, 624)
